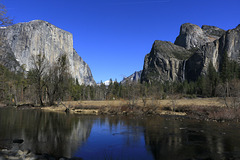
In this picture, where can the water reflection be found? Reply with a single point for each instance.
(189, 139)
(45, 132)
(114, 137)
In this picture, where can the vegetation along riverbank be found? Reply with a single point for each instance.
(173, 76)
(212, 109)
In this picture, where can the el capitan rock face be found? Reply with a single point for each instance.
(190, 55)
(32, 38)
(7, 57)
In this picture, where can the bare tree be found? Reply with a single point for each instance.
(230, 93)
(57, 79)
(4, 19)
(37, 74)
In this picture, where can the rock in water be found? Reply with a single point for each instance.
(23, 40)
(19, 141)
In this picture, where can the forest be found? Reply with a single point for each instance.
(44, 85)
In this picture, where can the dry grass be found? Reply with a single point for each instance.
(198, 108)
(159, 103)
(215, 113)
(204, 108)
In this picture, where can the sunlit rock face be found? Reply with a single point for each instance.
(7, 57)
(165, 62)
(229, 42)
(192, 36)
(189, 57)
(35, 37)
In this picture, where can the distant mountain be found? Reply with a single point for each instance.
(134, 78)
(106, 82)
(19, 42)
(190, 55)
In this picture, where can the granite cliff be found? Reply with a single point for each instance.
(189, 56)
(20, 41)
(133, 78)
(192, 36)
(213, 52)
(165, 62)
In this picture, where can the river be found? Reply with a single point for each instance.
(118, 137)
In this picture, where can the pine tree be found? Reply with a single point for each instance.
(224, 68)
(212, 76)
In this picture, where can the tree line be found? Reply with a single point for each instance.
(45, 84)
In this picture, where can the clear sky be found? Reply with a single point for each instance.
(113, 36)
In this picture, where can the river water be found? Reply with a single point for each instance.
(116, 137)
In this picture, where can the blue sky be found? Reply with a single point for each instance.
(113, 36)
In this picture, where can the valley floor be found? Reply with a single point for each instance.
(197, 108)
(213, 109)
(150, 102)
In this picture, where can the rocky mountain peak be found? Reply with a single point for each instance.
(167, 49)
(133, 78)
(165, 62)
(213, 31)
(238, 27)
(191, 54)
(192, 36)
(23, 40)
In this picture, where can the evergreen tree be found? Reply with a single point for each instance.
(115, 89)
(213, 79)
(224, 68)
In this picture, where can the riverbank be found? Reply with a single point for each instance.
(18, 154)
(209, 109)
(124, 107)
(198, 108)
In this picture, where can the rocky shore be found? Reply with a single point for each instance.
(13, 151)
(6, 154)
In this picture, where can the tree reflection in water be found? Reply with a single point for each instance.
(56, 134)
(119, 137)
(172, 138)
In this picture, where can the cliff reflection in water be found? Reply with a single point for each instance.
(191, 139)
(119, 137)
(56, 134)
